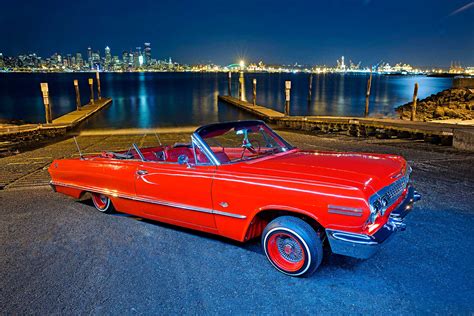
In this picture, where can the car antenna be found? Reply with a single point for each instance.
(78, 149)
(158, 138)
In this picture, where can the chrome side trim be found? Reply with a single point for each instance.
(145, 200)
(342, 210)
(228, 214)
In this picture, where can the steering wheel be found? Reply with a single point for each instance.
(250, 146)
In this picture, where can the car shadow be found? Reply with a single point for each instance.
(330, 260)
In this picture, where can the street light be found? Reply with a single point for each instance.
(242, 64)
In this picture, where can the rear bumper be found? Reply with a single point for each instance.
(364, 246)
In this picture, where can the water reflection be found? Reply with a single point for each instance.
(177, 99)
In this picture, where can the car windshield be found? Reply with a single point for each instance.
(244, 140)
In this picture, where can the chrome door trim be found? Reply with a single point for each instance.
(114, 193)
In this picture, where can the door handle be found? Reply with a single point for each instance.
(142, 172)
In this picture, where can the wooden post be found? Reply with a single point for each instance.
(229, 84)
(254, 92)
(78, 95)
(91, 85)
(97, 76)
(287, 97)
(47, 105)
(310, 87)
(367, 95)
(241, 87)
(413, 107)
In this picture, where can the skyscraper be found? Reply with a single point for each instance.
(89, 57)
(2, 63)
(147, 53)
(79, 61)
(125, 58)
(108, 57)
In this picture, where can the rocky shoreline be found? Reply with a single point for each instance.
(454, 103)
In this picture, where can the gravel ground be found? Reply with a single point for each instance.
(58, 255)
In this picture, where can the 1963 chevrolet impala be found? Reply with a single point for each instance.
(241, 180)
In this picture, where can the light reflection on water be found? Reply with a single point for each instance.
(178, 99)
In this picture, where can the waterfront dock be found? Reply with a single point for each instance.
(258, 110)
(12, 135)
(460, 136)
(74, 118)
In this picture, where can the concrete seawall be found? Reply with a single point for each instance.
(434, 132)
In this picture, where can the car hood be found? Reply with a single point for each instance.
(361, 170)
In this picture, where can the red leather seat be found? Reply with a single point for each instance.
(172, 154)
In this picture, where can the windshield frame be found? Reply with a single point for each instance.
(200, 133)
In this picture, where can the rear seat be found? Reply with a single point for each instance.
(172, 154)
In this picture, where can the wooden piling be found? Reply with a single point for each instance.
(47, 105)
(78, 95)
(229, 84)
(254, 92)
(367, 95)
(91, 85)
(241, 87)
(287, 97)
(310, 87)
(97, 76)
(413, 107)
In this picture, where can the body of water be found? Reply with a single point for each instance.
(178, 99)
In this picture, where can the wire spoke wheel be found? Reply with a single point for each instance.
(286, 251)
(292, 246)
(102, 203)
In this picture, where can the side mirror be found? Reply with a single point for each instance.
(184, 160)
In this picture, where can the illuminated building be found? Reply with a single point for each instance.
(79, 61)
(147, 54)
(89, 57)
(2, 62)
(108, 57)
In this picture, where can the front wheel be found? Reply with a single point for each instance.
(292, 246)
(102, 203)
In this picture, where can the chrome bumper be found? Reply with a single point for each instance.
(364, 246)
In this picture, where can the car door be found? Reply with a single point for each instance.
(176, 193)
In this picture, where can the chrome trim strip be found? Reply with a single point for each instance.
(145, 200)
(228, 214)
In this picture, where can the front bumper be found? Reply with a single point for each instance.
(364, 246)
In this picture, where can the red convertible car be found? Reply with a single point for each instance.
(241, 180)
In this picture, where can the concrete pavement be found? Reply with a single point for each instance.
(58, 255)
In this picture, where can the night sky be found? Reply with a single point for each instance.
(423, 33)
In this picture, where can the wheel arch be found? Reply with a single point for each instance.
(263, 216)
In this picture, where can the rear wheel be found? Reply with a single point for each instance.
(292, 246)
(102, 203)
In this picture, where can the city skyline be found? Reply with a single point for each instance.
(305, 33)
(141, 58)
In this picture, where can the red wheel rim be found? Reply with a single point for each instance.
(100, 200)
(286, 252)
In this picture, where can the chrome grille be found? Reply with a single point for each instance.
(388, 195)
(393, 191)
